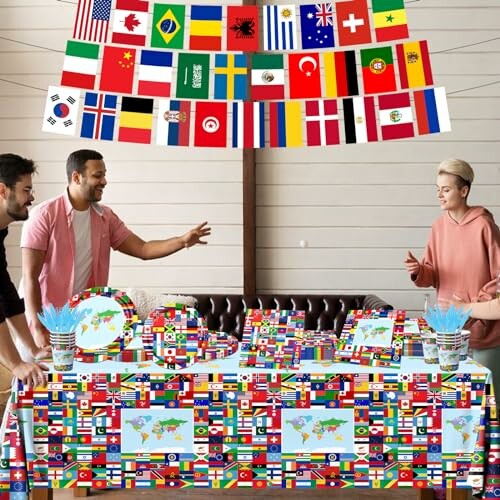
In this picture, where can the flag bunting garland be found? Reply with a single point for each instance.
(158, 73)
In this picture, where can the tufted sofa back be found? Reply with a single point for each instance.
(226, 313)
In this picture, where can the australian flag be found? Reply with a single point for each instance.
(316, 23)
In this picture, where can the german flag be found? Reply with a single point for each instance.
(136, 120)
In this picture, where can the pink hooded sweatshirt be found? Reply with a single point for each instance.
(463, 259)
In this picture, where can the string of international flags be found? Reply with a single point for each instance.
(140, 92)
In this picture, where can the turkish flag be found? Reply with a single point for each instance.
(210, 124)
(304, 75)
(353, 22)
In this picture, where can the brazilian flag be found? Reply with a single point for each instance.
(168, 26)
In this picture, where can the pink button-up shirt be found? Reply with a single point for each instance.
(49, 228)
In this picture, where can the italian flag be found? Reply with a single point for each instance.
(80, 65)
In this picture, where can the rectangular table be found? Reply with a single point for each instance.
(216, 425)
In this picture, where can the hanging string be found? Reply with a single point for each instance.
(22, 85)
(31, 45)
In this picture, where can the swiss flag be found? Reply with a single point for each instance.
(210, 124)
(353, 22)
(304, 75)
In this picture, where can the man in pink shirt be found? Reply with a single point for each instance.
(67, 243)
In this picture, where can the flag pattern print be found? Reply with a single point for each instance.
(210, 128)
(315, 78)
(193, 76)
(99, 115)
(117, 74)
(168, 26)
(341, 77)
(61, 110)
(322, 123)
(431, 109)
(414, 64)
(130, 23)
(280, 27)
(174, 123)
(285, 124)
(92, 20)
(389, 20)
(395, 116)
(378, 70)
(353, 24)
(316, 26)
(155, 73)
(304, 75)
(80, 65)
(136, 120)
(248, 125)
(205, 31)
(360, 122)
(268, 77)
(243, 28)
(230, 80)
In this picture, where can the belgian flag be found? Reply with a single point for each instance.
(136, 120)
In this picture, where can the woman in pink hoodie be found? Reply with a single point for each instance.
(462, 257)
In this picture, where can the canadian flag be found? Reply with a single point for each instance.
(130, 24)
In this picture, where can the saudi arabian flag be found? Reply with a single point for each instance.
(168, 26)
(389, 19)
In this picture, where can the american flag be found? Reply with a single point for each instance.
(324, 14)
(92, 20)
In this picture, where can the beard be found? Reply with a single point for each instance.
(17, 211)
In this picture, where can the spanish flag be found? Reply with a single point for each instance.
(414, 64)
(389, 19)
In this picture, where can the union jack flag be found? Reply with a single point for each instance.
(324, 14)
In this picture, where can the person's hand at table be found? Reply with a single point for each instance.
(39, 354)
(412, 264)
(31, 374)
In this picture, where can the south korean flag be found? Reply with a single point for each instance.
(61, 111)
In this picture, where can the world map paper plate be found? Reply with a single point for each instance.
(107, 328)
(373, 338)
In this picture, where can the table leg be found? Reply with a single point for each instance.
(41, 494)
(456, 494)
(81, 492)
(425, 494)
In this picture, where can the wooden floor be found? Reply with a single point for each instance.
(200, 494)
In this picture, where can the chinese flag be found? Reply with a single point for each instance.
(353, 23)
(304, 75)
(210, 125)
(117, 73)
(243, 28)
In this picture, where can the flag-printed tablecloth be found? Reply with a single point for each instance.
(217, 425)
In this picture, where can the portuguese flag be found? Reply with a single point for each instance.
(378, 70)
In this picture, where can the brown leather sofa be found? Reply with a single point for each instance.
(226, 313)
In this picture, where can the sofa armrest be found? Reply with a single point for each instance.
(375, 302)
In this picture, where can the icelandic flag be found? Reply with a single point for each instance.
(99, 115)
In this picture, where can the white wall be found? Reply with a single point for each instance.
(158, 192)
(359, 207)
